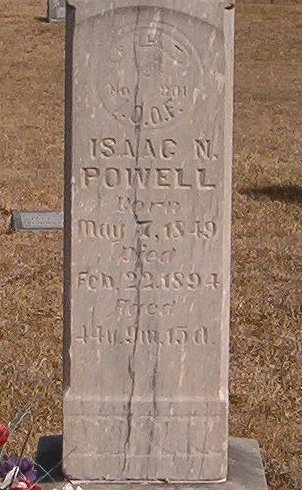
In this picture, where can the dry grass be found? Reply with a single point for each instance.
(31, 177)
(266, 351)
(267, 240)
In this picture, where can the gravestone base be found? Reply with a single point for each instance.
(245, 470)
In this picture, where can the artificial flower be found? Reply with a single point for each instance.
(24, 484)
(26, 467)
(10, 478)
(4, 433)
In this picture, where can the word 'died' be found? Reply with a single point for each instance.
(175, 336)
(165, 149)
(129, 254)
(108, 231)
(147, 178)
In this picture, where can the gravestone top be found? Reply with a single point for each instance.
(147, 239)
(56, 10)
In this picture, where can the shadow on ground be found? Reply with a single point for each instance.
(49, 458)
(43, 20)
(286, 193)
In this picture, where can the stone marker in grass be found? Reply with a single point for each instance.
(56, 10)
(36, 221)
(147, 244)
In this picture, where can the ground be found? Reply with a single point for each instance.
(266, 348)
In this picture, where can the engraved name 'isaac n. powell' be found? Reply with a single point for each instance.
(166, 149)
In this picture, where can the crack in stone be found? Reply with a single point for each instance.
(190, 456)
(204, 446)
(139, 263)
(154, 401)
(156, 19)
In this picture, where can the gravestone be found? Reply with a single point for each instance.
(147, 239)
(36, 221)
(56, 10)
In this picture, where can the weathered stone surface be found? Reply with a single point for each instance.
(147, 239)
(56, 10)
(36, 221)
(245, 470)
